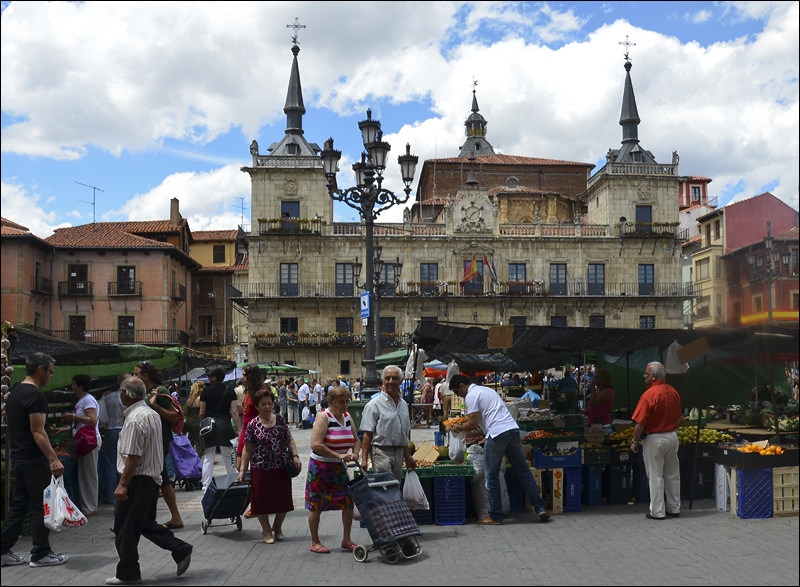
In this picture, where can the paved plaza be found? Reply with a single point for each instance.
(600, 545)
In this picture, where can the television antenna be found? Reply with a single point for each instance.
(241, 222)
(94, 195)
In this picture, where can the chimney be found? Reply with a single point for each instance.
(174, 212)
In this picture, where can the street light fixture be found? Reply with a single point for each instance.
(369, 199)
(769, 268)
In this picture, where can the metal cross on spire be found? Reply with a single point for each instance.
(474, 83)
(296, 26)
(627, 44)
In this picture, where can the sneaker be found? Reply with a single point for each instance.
(544, 516)
(51, 559)
(10, 559)
(115, 581)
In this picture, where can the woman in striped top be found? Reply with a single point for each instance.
(334, 443)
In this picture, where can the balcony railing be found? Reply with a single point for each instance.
(152, 337)
(68, 289)
(178, 292)
(323, 339)
(255, 291)
(43, 285)
(125, 288)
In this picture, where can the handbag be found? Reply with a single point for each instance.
(207, 427)
(287, 459)
(85, 440)
(59, 511)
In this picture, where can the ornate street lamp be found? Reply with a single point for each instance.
(369, 199)
(769, 268)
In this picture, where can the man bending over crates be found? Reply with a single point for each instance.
(487, 411)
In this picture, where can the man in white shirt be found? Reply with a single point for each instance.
(314, 397)
(302, 396)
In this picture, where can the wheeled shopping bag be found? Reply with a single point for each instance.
(225, 498)
(186, 462)
(386, 515)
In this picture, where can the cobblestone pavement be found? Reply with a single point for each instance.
(600, 545)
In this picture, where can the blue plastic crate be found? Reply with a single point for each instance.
(557, 461)
(572, 489)
(449, 501)
(754, 493)
(592, 478)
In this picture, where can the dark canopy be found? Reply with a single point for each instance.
(541, 347)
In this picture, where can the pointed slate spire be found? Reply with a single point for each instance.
(476, 143)
(631, 151)
(294, 108)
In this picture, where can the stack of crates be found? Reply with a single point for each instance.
(753, 493)
(785, 494)
(592, 493)
(450, 501)
(617, 483)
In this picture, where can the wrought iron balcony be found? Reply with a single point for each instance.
(124, 288)
(69, 289)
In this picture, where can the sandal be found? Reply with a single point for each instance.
(319, 549)
(172, 526)
(350, 547)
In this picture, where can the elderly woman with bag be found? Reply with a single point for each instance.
(334, 443)
(271, 487)
(86, 413)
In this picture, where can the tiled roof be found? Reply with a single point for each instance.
(506, 160)
(13, 226)
(214, 235)
(787, 235)
(109, 235)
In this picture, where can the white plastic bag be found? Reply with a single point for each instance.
(413, 492)
(59, 511)
(356, 514)
(458, 445)
(306, 413)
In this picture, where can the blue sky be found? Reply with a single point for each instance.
(150, 101)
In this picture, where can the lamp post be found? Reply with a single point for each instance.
(380, 288)
(769, 268)
(369, 199)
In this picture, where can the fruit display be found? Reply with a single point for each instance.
(451, 423)
(688, 435)
(764, 451)
(784, 424)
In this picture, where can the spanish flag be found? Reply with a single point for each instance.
(471, 271)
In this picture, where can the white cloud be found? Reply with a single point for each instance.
(176, 77)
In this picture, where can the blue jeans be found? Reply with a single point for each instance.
(107, 474)
(508, 445)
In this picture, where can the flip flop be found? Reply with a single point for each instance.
(320, 549)
(170, 526)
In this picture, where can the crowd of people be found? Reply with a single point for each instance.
(129, 465)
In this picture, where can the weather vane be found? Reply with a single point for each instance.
(627, 44)
(296, 26)
(474, 82)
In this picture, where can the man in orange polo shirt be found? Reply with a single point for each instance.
(656, 417)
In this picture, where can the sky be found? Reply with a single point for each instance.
(111, 109)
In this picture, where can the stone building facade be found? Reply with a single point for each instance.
(543, 242)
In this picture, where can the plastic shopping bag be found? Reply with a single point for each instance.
(413, 492)
(458, 446)
(59, 511)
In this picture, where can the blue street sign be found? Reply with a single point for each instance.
(365, 304)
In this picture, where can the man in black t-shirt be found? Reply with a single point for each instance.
(33, 462)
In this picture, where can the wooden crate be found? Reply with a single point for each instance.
(785, 494)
